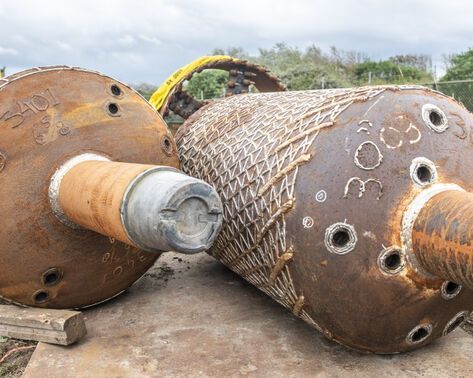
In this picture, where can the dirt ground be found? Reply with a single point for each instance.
(15, 363)
(20, 351)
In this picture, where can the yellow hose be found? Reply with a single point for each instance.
(159, 97)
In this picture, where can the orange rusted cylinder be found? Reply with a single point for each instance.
(153, 208)
(442, 237)
(92, 192)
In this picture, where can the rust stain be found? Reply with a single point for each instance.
(51, 115)
(443, 234)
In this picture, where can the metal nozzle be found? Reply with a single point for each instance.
(154, 208)
(164, 209)
(442, 237)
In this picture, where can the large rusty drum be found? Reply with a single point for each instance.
(90, 193)
(350, 207)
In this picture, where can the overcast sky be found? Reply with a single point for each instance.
(146, 40)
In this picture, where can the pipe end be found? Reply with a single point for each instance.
(166, 210)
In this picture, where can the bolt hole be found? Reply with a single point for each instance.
(419, 335)
(424, 174)
(340, 238)
(393, 261)
(455, 324)
(116, 91)
(451, 287)
(423, 171)
(167, 146)
(112, 109)
(41, 296)
(436, 118)
(51, 277)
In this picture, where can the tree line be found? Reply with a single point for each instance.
(313, 68)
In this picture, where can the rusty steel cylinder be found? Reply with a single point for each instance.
(345, 206)
(90, 190)
(442, 237)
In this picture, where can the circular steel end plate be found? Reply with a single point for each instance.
(47, 116)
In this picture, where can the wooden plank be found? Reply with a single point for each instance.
(61, 327)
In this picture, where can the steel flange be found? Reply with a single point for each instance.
(51, 120)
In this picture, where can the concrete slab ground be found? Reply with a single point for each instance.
(190, 316)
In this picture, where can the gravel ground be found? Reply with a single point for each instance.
(13, 364)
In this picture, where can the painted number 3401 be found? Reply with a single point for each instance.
(37, 103)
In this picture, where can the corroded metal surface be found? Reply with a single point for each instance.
(442, 237)
(48, 116)
(153, 208)
(242, 74)
(315, 187)
(91, 195)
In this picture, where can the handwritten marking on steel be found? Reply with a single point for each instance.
(383, 139)
(124, 263)
(307, 222)
(411, 127)
(461, 124)
(373, 105)
(419, 134)
(466, 131)
(363, 146)
(362, 187)
(321, 196)
(362, 128)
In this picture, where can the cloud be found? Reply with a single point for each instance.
(64, 45)
(151, 40)
(127, 40)
(144, 41)
(8, 51)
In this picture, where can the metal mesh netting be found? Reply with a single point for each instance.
(250, 149)
(460, 90)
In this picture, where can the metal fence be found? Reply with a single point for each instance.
(460, 90)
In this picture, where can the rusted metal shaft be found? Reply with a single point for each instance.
(442, 237)
(154, 208)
